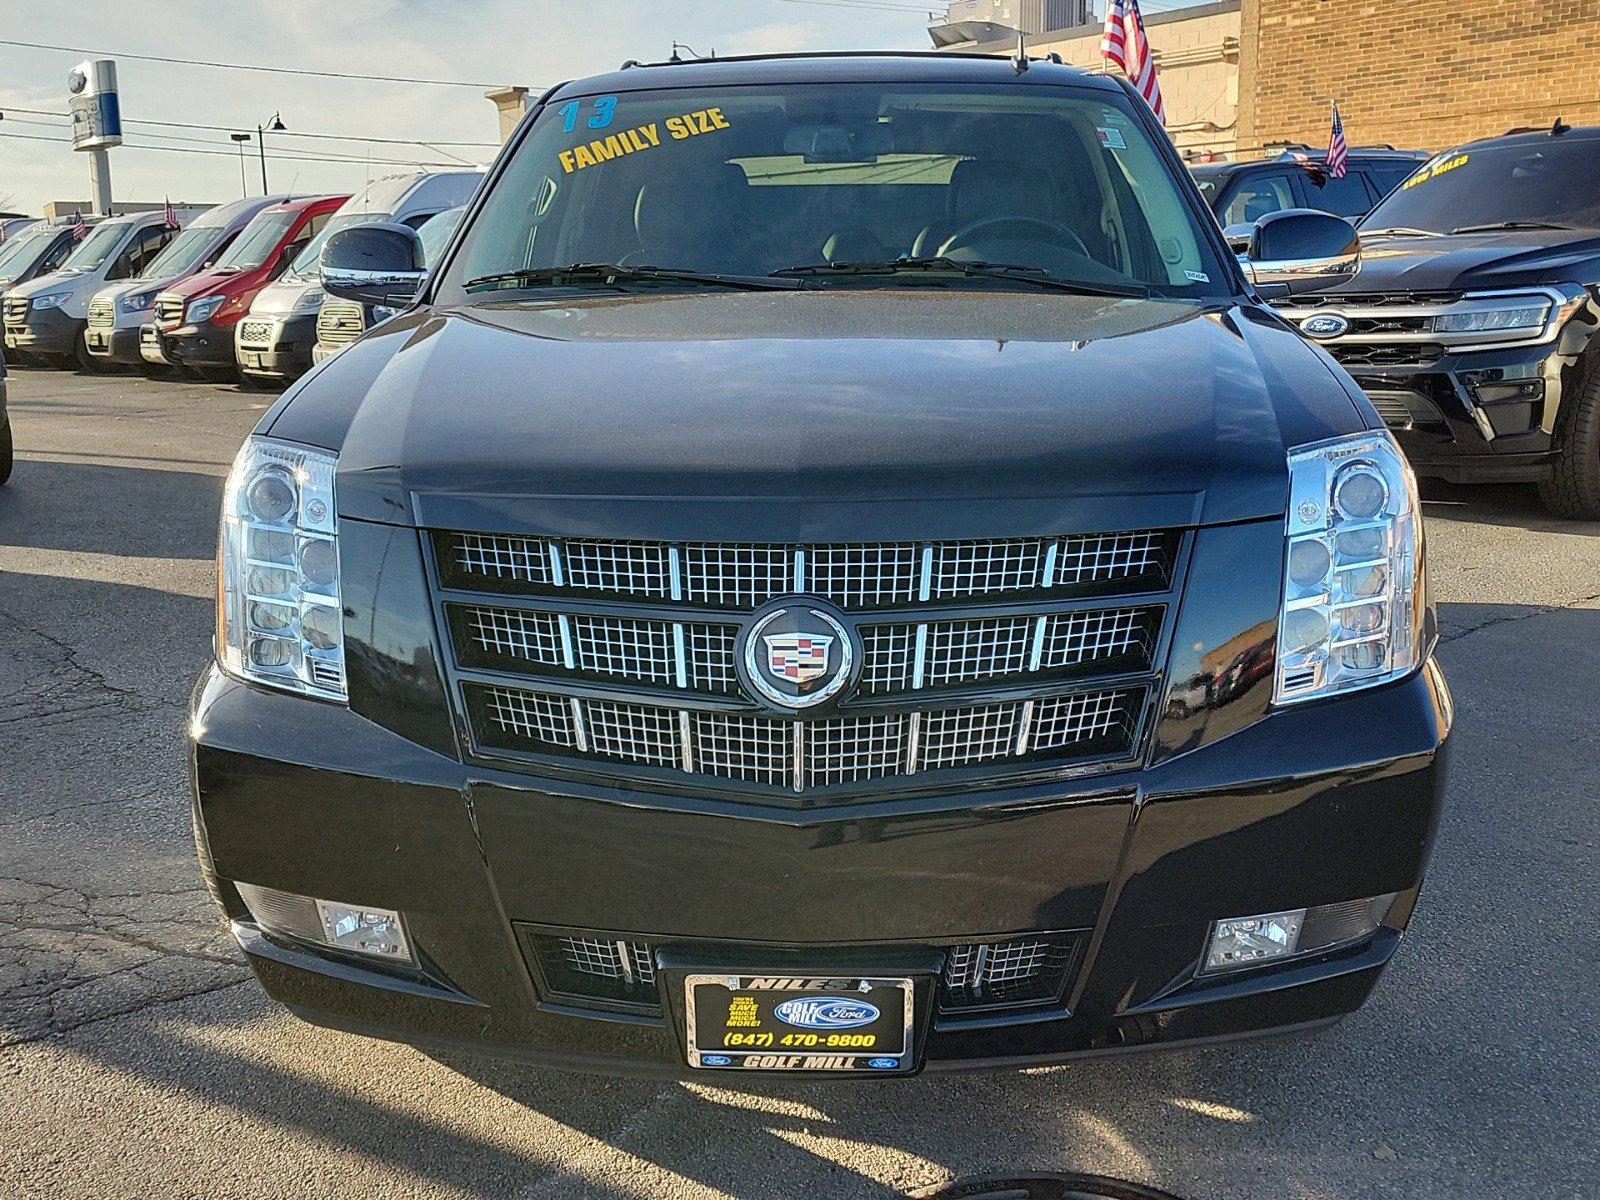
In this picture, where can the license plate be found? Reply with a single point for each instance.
(250, 358)
(798, 1023)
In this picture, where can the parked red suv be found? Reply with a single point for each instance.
(195, 317)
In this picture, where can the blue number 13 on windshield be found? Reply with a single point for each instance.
(605, 107)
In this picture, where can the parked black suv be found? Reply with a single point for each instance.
(1474, 324)
(699, 636)
(1241, 193)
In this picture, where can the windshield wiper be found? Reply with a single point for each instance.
(1494, 226)
(971, 270)
(1401, 231)
(611, 273)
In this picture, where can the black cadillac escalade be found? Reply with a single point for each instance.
(1474, 324)
(837, 570)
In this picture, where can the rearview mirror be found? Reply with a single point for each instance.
(1300, 250)
(379, 264)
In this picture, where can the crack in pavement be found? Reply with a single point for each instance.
(1542, 610)
(89, 682)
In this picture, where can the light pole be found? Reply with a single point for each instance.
(239, 140)
(276, 125)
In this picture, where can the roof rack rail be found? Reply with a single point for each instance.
(1555, 130)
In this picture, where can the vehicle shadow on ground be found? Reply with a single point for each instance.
(142, 512)
(1515, 505)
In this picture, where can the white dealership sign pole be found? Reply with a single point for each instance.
(96, 122)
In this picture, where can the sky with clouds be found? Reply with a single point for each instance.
(531, 42)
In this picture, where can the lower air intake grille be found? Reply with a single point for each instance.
(1023, 973)
(594, 967)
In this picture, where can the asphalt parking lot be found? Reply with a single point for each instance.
(139, 1059)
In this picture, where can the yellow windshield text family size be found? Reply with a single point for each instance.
(643, 137)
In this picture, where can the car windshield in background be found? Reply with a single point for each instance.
(182, 255)
(23, 249)
(96, 248)
(1061, 184)
(256, 242)
(1548, 182)
(305, 263)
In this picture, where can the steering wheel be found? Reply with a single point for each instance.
(963, 237)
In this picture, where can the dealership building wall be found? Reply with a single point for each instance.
(1426, 73)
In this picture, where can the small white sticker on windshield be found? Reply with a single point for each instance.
(1198, 276)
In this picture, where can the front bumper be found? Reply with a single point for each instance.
(277, 346)
(1316, 805)
(1480, 417)
(201, 345)
(44, 331)
(113, 344)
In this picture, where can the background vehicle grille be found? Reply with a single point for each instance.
(1406, 330)
(16, 310)
(1017, 654)
(102, 314)
(256, 333)
(978, 979)
(169, 309)
(340, 322)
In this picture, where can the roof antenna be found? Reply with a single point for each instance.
(1020, 63)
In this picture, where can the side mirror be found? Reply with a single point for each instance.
(379, 263)
(1300, 250)
(1238, 237)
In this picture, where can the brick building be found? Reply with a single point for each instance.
(1241, 75)
(1427, 73)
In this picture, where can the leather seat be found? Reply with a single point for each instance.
(980, 189)
(686, 221)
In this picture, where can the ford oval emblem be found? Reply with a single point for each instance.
(715, 1060)
(824, 1012)
(1325, 326)
(883, 1064)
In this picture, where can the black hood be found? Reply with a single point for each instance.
(1475, 261)
(836, 414)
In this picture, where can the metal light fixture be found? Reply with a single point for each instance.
(275, 125)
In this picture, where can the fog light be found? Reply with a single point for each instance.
(358, 929)
(1248, 941)
(364, 930)
(1240, 942)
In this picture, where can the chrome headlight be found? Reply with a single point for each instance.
(201, 310)
(51, 300)
(1497, 315)
(308, 303)
(1353, 591)
(137, 302)
(279, 619)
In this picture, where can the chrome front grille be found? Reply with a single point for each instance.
(898, 656)
(340, 322)
(1407, 331)
(855, 577)
(257, 333)
(169, 310)
(16, 310)
(1011, 655)
(102, 314)
(750, 747)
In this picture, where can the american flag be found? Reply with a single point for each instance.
(171, 216)
(1338, 151)
(1125, 44)
(79, 227)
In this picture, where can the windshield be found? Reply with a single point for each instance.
(436, 232)
(97, 247)
(1549, 181)
(745, 181)
(182, 255)
(305, 263)
(18, 252)
(257, 241)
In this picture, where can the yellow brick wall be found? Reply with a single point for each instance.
(1426, 73)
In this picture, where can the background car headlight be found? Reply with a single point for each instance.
(279, 620)
(137, 302)
(1517, 312)
(1354, 594)
(309, 303)
(52, 300)
(201, 310)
